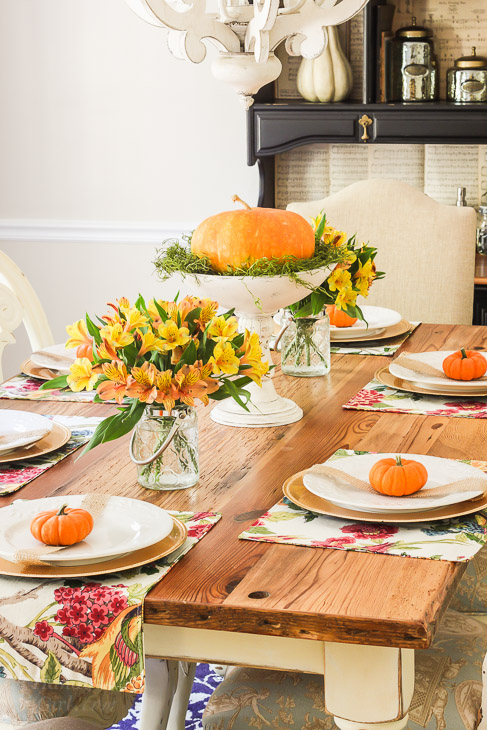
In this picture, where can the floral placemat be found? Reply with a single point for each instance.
(456, 540)
(377, 397)
(23, 387)
(387, 347)
(17, 474)
(84, 632)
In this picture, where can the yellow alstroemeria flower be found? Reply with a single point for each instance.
(166, 391)
(346, 297)
(81, 375)
(172, 336)
(365, 271)
(78, 334)
(221, 329)
(257, 371)
(134, 319)
(115, 335)
(124, 304)
(209, 309)
(224, 359)
(339, 279)
(252, 350)
(148, 342)
(362, 285)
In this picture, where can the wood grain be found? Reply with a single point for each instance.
(308, 593)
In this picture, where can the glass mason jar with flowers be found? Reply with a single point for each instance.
(305, 332)
(155, 361)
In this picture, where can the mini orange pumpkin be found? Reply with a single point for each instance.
(339, 318)
(465, 365)
(62, 527)
(237, 238)
(85, 350)
(398, 477)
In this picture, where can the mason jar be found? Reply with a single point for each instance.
(164, 447)
(305, 347)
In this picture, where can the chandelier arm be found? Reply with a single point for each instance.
(195, 25)
(257, 35)
(304, 30)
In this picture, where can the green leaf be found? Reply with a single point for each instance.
(60, 382)
(320, 230)
(259, 530)
(189, 356)
(115, 426)
(51, 670)
(162, 312)
(93, 330)
(140, 303)
(280, 517)
(229, 314)
(237, 393)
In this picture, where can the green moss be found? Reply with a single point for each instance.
(176, 257)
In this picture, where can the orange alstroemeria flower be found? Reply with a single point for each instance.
(166, 390)
(115, 388)
(142, 383)
(80, 338)
(190, 385)
(106, 351)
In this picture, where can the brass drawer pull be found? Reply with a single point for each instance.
(365, 122)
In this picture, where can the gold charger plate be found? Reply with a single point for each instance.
(159, 550)
(295, 490)
(393, 331)
(35, 371)
(386, 378)
(58, 436)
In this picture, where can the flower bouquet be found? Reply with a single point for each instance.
(305, 347)
(155, 360)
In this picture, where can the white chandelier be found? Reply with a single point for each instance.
(246, 34)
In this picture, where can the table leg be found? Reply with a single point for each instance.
(368, 687)
(180, 701)
(161, 678)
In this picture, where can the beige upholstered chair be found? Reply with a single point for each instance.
(426, 249)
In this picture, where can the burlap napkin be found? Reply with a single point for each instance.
(424, 368)
(339, 478)
(92, 503)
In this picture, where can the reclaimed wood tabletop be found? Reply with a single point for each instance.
(285, 590)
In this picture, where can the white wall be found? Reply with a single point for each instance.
(100, 124)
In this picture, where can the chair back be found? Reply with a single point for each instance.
(19, 303)
(427, 249)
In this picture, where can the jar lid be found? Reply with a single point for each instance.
(472, 61)
(414, 31)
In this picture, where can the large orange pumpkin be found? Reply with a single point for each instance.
(339, 318)
(398, 477)
(237, 238)
(62, 527)
(465, 365)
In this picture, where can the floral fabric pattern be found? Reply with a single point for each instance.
(377, 397)
(17, 474)
(84, 633)
(457, 539)
(387, 347)
(24, 387)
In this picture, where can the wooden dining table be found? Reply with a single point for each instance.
(354, 617)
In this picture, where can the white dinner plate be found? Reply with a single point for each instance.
(431, 381)
(125, 525)
(21, 428)
(377, 319)
(43, 360)
(440, 472)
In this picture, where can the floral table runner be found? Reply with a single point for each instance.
(387, 347)
(23, 387)
(84, 632)
(17, 474)
(456, 540)
(377, 397)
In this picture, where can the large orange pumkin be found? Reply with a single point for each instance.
(398, 477)
(339, 318)
(237, 238)
(62, 527)
(465, 365)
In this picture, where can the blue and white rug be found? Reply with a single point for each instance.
(204, 683)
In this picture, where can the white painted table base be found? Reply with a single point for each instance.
(366, 687)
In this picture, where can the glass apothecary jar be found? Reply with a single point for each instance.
(164, 447)
(305, 346)
(482, 230)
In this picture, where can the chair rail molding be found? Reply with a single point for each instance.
(71, 231)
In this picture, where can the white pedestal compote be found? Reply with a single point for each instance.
(255, 300)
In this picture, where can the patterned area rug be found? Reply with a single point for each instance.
(205, 682)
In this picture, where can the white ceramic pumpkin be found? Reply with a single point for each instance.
(329, 76)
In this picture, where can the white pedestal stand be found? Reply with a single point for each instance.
(266, 406)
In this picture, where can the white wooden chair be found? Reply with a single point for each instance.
(426, 249)
(19, 303)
